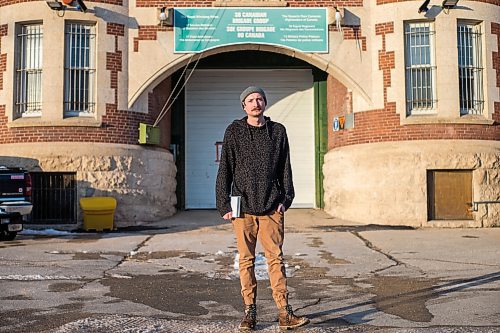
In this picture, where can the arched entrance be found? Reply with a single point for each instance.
(297, 98)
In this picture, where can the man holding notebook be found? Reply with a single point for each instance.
(255, 176)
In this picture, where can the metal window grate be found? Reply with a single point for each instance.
(470, 71)
(79, 73)
(420, 68)
(54, 197)
(28, 77)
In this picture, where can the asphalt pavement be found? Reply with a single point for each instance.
(180, 275)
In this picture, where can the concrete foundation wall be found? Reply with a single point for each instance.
(141, 179)
(386, 183)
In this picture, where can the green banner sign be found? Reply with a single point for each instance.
(200, 29)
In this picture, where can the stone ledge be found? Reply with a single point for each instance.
(434, 119)
(38, 122)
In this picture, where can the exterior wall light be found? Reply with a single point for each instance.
(55, 5)
(78, 4)
(338, 19)
(342, 17)
(449, 4)
(166, 16)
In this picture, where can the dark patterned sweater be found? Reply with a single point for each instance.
(255, 164)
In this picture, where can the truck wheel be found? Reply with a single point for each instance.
(8, 235)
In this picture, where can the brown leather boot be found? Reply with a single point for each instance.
(289, 321)
(250, 319)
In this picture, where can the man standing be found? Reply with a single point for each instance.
(255, 165)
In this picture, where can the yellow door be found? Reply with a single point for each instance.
(450, 195)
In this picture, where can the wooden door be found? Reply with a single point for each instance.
(449, 194)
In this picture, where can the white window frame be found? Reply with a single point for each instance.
(28, 100)
(420, 67)
(470, 67)
(79, 69)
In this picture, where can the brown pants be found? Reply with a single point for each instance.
(269, 229)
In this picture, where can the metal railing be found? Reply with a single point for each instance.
(475, 204)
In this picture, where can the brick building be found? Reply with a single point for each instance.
(394, 121)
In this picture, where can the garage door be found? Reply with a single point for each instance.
(212, 103)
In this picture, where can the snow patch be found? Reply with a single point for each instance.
(49, 232)
(119, 276)
(261, 268)
(38, 277)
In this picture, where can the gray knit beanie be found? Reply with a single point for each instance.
(251, 90)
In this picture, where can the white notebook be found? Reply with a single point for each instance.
(235, 205)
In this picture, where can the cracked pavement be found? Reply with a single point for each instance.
(180, 277)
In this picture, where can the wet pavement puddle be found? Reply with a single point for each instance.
(403, 296)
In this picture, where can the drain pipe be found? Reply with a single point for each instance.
(475, 204)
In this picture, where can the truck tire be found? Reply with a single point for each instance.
(7, 235)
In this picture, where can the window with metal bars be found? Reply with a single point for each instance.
(79, 71)
(28, 77)
(470, 69)
(420, 68)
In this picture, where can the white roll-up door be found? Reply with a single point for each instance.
(212, 103)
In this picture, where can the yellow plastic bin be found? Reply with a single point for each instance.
(98, 213)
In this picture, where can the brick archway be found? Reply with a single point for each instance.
(313, 59)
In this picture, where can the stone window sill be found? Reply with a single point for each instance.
(433, 119)
(39, 122)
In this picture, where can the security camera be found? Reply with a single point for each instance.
(81, 6)
(423, 7)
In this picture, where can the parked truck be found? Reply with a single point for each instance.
(15, 201)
